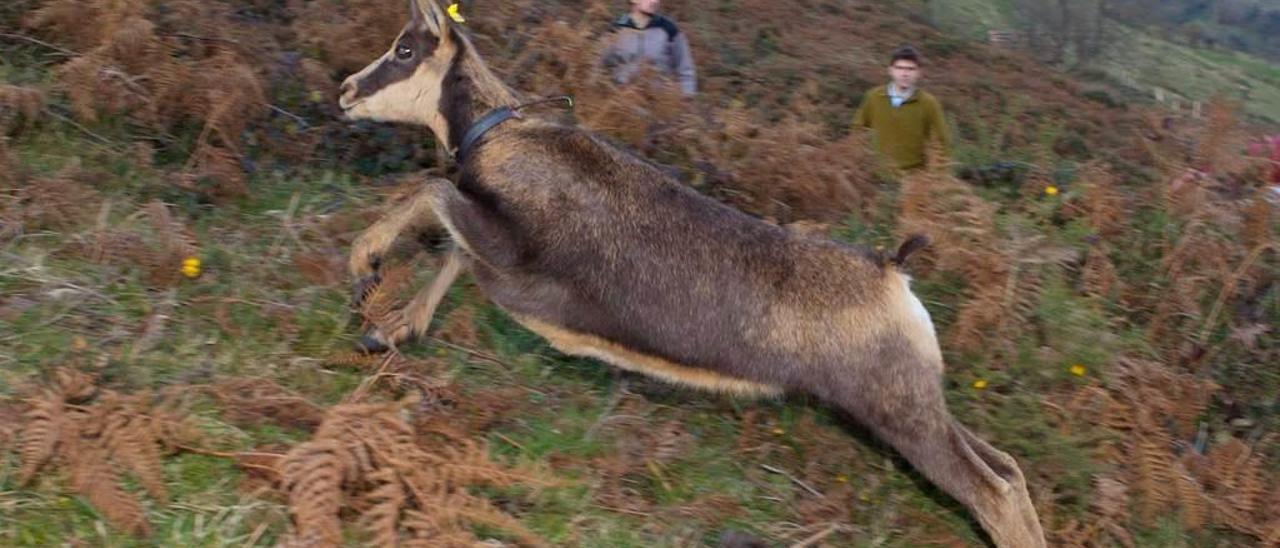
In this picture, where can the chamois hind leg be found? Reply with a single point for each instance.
(415, 318)
(1007, 468)
(413, 215)
(907, 410)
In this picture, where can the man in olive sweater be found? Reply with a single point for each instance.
(903, 117)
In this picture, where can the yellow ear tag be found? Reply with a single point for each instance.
(453, 14)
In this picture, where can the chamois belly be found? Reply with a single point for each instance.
(575, 326)
(582, 344)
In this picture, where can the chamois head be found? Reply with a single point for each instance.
(430, 76)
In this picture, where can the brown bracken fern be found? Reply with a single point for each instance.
(98, 436)
(313, 475)
(405, 485)
(39, 439)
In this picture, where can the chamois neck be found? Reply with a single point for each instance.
(470, 90)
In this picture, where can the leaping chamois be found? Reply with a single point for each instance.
(599, 252)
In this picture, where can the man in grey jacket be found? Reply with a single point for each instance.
(643, 36)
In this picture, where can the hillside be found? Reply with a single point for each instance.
(1144, 49)
(1249, 26)
(177, 197)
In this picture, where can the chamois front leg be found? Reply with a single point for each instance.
(476, 234)
(415, 215)
(414, 320)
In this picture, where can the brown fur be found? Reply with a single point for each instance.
(595, 249)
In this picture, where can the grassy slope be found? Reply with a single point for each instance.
(1143, 61)
(714, 482)
(550, 404)
(972, 18)
(710, 485)
(1149, 61)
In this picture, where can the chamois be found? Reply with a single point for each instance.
(599, 252)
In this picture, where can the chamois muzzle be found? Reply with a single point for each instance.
(347, 95)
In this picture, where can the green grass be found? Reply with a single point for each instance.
(206, 511)
(1254, 67)
(1141, 61)
(565, 399)
(1145, 62)
(556, 421)
(971, 18)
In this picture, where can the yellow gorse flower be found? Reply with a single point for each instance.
(1077, 370)
(455, 15)
(1051, 190)
(980, 384)
(191, 267)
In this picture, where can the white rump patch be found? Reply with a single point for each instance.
(918, 321)
(917, 308)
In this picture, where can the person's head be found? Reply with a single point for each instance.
(647, 7)
(904, 67)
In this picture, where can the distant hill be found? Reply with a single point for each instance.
(1249, 26)
(1190, 49)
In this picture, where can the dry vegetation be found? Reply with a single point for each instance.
(1125, 312)
(407, 484)
(97, 436)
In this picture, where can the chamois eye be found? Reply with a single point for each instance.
(403, 51)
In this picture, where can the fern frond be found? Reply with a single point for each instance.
(382, 518)
(130, 440)
(1152, 465)
(313, 476)
(93, 476)
(40, 437)
(1191, 496)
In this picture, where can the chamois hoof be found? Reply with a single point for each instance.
(371, 345)
(363, 288)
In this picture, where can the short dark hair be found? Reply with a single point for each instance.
(905, 53)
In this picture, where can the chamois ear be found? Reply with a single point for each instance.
(415, 13)
(430, 15)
